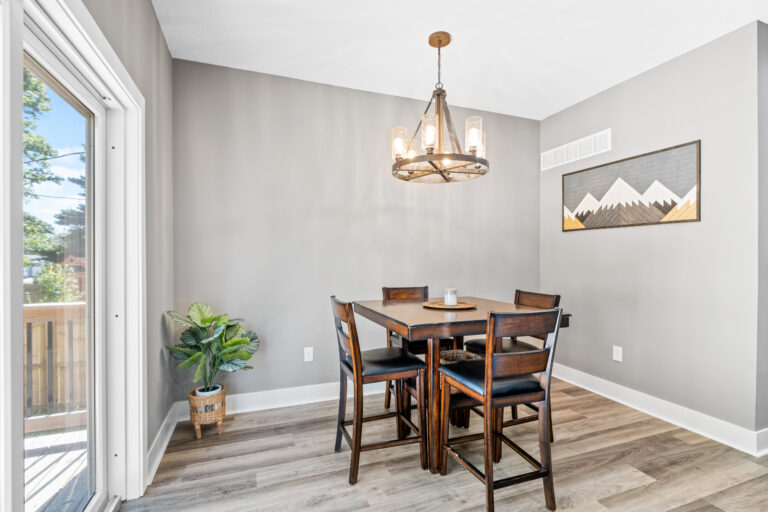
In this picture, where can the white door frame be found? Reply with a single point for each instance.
(11, 259)
(69, 34)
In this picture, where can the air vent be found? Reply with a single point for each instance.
(594, 144)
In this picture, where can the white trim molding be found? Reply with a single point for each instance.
(11, 263)
(175, 414)
(762, 443)
(743, 439)
(74, 32)
(286, 397)
(248, 402)
(66, 32)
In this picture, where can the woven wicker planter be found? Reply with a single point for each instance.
(204, 410)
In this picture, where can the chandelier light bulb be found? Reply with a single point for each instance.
(473, 134)
(429, 132)
(399, 142)
(481, 151)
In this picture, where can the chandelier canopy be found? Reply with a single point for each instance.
(443, 160)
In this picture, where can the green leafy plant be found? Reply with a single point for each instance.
(212, 343)
(58, 284)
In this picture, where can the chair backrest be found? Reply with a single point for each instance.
(504, 325)
(537, 300)
(406, 293)
(346, 333)
(403, 293)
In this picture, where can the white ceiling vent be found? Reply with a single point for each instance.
(594, 144)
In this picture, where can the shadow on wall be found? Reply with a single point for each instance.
(171, 332)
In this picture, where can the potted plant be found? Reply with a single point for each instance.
(211, 343)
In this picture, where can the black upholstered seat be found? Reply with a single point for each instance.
(387, 360)
(472, 375)
(508, 345)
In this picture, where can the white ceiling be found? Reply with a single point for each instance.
(528, 58)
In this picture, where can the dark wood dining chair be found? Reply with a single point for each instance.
(498, 381)
(367, 367)
(511, 345)
(413, 346)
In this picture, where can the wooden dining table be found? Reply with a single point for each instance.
(413, 321)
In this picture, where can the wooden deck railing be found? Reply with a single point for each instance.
(55, 371)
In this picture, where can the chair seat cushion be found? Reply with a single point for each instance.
(508, 345)
(387, 360)
(472, 375)
(419, 346)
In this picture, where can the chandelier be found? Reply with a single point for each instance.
(443, 161)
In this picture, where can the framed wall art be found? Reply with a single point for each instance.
(660, 187)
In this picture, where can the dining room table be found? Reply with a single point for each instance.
(412, 320)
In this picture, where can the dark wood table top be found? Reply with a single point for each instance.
(413, 321)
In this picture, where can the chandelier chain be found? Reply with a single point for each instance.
(439, 84)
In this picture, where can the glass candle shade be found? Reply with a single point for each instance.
(481, 151)
(399, 142)
(473, 135)
(450, 298)
(429, 132)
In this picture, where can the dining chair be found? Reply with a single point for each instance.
(498, 381)
(367, 367)
(477, 346)
(413, 346)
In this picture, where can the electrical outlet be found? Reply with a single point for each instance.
(618, 353)
(308, 355)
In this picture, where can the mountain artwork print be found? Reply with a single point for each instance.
(656, 188)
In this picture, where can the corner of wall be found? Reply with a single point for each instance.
(132, 29)
(761, 406)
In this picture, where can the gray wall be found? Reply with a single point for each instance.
(762, 333)
(284, 196)
(681, 299)
(134, 33)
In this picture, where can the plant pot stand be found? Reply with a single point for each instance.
(205, 410)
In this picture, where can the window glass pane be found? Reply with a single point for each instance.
(56, 279)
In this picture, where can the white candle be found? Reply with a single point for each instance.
(450, 298)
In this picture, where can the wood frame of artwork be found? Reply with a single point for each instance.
(679, 208)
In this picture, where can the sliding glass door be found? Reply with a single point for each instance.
(58, 297)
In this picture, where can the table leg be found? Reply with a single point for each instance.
(433, 363)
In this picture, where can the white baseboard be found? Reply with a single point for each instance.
(285, 397)
(161, 440)
(246, 402)
(735, 436)
(762, 443)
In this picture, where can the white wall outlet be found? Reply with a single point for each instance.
(618, 353)
(308, 355)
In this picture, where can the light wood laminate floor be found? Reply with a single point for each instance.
(606, 457)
